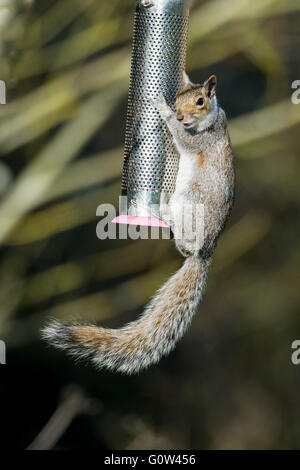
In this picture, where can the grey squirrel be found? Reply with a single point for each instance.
(206, 176)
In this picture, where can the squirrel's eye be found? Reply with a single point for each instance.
(200, 101)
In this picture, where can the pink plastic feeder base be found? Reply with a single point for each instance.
(138, 220)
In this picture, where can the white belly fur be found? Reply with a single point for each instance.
(186, 173)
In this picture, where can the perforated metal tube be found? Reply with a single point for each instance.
(158, 59)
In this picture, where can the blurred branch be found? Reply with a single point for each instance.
(97, 169)
(43, 171)
(74, 403)
(40, 110)
(67, 277)
(215, 14)
(95, 38)
(62, 216)
(7, 9)
(262, 51)
(264, 122)
(247, 39)
(240, 237)
(55, 19)
(72, 49)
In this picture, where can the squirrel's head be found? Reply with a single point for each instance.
(196, 105)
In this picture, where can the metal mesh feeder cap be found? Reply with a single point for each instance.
(150, 158)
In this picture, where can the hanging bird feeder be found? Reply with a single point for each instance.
(158, 60)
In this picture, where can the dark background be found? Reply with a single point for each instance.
(230, 383)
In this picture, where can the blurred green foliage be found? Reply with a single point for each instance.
(230, 383)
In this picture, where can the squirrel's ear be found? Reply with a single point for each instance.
(210, 85)
(185, 78)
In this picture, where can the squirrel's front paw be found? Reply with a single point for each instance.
(159, 103)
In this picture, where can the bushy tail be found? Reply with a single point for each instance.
(144, 341)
